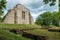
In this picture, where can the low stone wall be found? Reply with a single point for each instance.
(54, 30)
(29, 35)
(33, 36)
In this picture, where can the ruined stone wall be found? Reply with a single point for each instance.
(32, 21)
(20, 20)
(15, 16)
(19, 11)
(9, 18)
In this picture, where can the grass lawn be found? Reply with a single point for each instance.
(49, 35)
(6, 35)
(18, 26)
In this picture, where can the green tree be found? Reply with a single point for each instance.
(2, 6)
(52, 2)
(56, 19)
(44, 19)
(49, 18)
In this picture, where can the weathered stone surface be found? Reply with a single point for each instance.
(15, 16)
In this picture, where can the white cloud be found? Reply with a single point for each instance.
(42, 7)
(24, 1)
(29, 1)
(35, 15)
(36, 7)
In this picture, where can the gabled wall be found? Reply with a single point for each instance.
(14, 16)
(9, 17)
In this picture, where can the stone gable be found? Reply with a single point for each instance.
(18, 15)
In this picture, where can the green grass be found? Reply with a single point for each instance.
(18, 26)
(49, 35)
(6, 35)
(54, 27)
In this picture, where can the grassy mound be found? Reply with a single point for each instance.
(18, 26)
(49, 35)
(6, 35)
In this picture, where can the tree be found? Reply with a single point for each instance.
(52, 2)
(44, 19)
(56, 19)
(2, 6)
(49, 18)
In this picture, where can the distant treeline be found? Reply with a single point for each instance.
(49, 18)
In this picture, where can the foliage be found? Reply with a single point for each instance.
(49, 18)
(56, 19)
(44, 19)
(56, 16)
(2, 6)
(52, 2)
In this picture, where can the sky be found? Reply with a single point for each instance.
(36, 7)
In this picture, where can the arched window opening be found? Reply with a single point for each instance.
(23, 15)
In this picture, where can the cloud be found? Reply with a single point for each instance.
(32, 5)
(36, 10)
(35, 15)
(36, 7)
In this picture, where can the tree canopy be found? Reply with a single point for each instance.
(48, 18)
(2, 6)
(52, 2)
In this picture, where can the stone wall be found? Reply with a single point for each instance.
(15, 16)
(9, 18)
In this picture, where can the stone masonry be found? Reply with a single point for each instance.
(18, 15)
